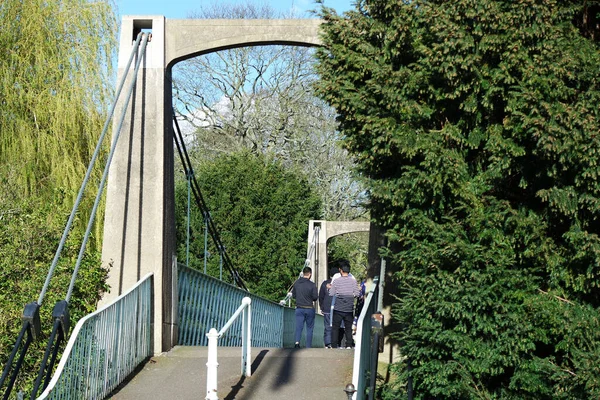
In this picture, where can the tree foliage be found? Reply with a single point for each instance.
(476, 123)
(261, 212)
(55, 63)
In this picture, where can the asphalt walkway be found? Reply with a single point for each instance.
(180, 374)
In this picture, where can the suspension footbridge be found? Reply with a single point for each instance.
(164, 321)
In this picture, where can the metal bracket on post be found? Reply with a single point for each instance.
(61, 312)
(31, 314)
(377, 330)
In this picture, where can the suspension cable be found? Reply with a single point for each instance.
(87, 176)
(212, 230)
(30, 319)
(106, 169)
(187, 231)
(313, 246)
(202, 204)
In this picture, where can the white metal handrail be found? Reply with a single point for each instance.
(213, 336)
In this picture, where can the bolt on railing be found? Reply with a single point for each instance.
(213, 336)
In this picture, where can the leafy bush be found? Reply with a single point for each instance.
(30, 231)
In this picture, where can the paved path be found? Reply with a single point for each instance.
(291, 374)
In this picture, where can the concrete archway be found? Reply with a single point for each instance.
(329, 229)
(222, 34)
(139, 227)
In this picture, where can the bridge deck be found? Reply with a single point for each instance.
(276, 374)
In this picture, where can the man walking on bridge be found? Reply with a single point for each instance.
(305, 293)
(344, 289)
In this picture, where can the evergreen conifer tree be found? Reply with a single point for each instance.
(477, 125)
(261, 210)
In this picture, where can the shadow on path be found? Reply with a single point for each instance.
(286, 371)
(236, 388)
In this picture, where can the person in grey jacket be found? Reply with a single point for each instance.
(305, 293)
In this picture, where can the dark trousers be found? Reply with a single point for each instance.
(327, 329)
(305, 315)
(338, 317)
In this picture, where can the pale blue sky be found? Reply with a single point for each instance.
(181, 8)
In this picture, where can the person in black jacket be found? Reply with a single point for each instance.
(325, 306)
(305, 293)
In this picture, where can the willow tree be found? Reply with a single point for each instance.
(55, 87)
(55, 83)
(477, 124)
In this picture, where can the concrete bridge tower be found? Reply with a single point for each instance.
(139, 227)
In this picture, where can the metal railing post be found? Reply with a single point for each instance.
(212, 365)
(246, 338)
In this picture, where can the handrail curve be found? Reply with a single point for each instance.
(213, 336)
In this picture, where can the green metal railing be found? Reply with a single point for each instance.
(363, 374)
(105, 347)
(289, 324)
(206, 302)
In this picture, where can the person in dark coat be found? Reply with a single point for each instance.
(325, 306)
(305, 293)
